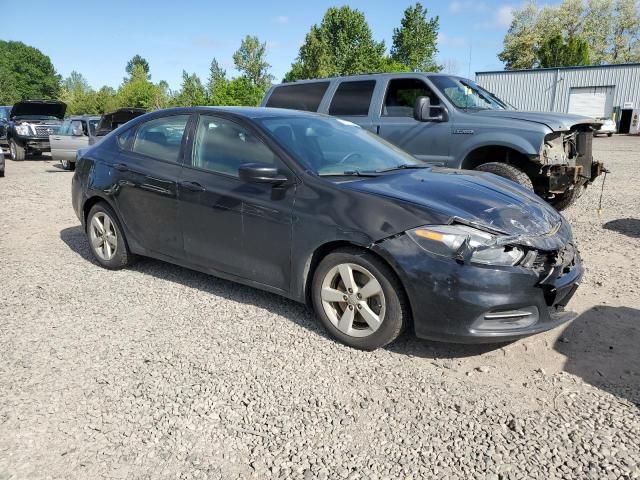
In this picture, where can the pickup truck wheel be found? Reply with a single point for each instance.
(568, 198)
(507, 171)
(67, 165)
(17, 152)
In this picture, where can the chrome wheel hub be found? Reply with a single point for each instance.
(103, 236)
(353, 300)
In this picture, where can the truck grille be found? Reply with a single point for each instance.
(45, 130)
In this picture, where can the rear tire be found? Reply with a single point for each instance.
(609, 134)
(106, 238)
(18, 153)
(376, 310)
(507, 171)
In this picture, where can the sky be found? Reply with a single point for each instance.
(98, 38)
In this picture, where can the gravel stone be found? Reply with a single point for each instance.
(158, 372)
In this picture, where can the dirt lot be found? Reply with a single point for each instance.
(160, 372)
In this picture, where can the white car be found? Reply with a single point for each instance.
(608, 127)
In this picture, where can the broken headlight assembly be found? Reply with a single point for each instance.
(466, 244)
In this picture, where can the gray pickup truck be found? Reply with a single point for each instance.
(452, 122)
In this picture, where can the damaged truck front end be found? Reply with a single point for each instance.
(566, 163)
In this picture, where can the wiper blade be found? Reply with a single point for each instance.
(404, 166)
(350, 173)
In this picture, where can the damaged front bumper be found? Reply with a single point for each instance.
(461, 302)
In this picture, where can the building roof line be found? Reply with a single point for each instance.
(581, 67)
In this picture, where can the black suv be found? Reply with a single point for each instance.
(29, 125)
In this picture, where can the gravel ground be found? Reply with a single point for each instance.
(160, 372)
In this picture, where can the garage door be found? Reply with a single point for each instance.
(595, 102)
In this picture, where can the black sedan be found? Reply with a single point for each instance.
(322, 211)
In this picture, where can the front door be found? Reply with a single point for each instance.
(147, 171)
(229, 225)
(71, 137)
(427, 141)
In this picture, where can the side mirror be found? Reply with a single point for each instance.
(260, 173)
(422, 111)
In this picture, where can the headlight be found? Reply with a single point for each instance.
(23, 129)
(465, 243)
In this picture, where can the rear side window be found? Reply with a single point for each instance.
(302, 96)
(352, 98)
(161, 138)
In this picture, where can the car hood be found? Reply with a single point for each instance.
(112, 120)
(555, 121)
(480, 199)
(44, 108)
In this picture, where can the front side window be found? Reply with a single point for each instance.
(4, 113)
(352, 98)
(298, 96)
(161, 138)
(65, 128)
(221, 146)
(332, 146)
(402, 94)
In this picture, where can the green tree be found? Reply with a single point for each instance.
(341, 45)
(192, 92)
(556, 52)
(415, 41)
(250, 60)
(78, 95)
(137, 91)
(217, 79)
(626, 32)
(140, 61)
(105, 100)
(610, 28)
(26, 73)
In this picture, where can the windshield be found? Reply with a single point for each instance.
(331, 146)
(466, 94)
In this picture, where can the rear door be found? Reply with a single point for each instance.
(147, 171)
(352, 101)
(427, 141)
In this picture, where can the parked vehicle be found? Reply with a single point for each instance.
(1, 164)
(320, 210)
(112, 120)
(73, 135)
(4, 123)
(608, 128)
(451, 121)
(30, 124)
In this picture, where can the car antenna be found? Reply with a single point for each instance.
(604, 179)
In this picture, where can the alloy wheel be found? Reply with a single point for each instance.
(12, 150)
(103, 236)
(353, 300)
(65, 164)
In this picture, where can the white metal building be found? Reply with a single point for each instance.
(602, 91)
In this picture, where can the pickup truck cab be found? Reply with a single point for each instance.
(73, 135)
(450, 121)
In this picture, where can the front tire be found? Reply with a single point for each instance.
(358, 299)
(106, 238)
(18, 153)
(507, 171)
(67, 165)
(609, 134)
(568, 198)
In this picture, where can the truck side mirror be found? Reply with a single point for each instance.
(422, 111)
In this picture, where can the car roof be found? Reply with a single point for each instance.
(368, 76)
(248, 112)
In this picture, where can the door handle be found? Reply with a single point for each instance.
(122, 167)
(57, 138)
(192, 186)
